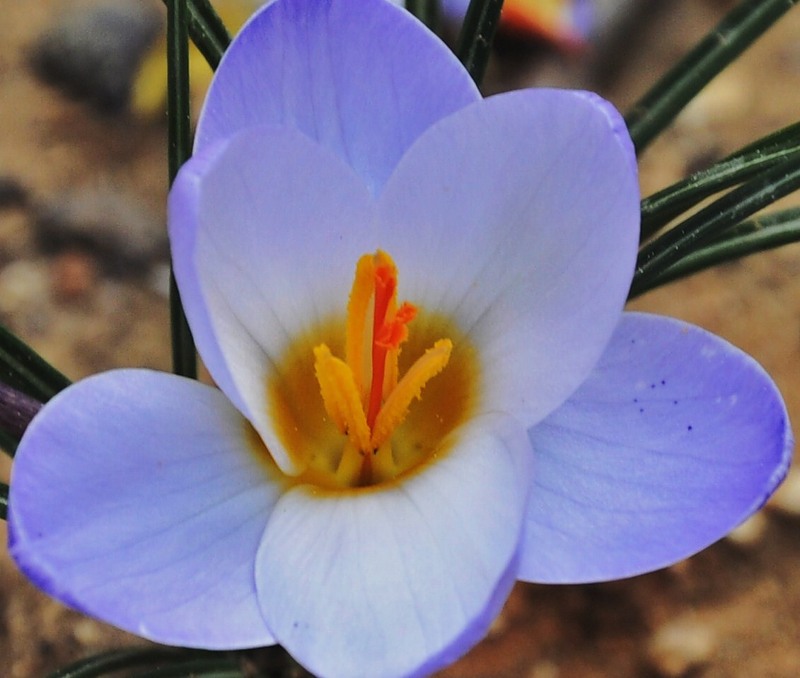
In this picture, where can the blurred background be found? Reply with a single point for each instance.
(84, 278)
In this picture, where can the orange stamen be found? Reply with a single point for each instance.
(385, 290)
(395, 331)
(357, 311)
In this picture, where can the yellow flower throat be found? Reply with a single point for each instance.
(359, 428)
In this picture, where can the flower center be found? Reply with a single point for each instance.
(362, 394)
(361, 426)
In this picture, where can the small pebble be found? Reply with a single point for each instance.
(15, 235)
(787, 498)
(24, 287)
(92, 53)
(74, 274)
(544, 669)
(12, 193)
(159, 279)
(725, 98)
(750, 532)
(680, 646)
(87, 632)
(498, 626)
(113, 226)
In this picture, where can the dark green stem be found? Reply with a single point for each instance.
(734, 34)
(184, 361)
(477, 35)
(4, 501)
(748, 237)
(761, 191)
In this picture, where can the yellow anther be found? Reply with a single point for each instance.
(394, 410)
(340, 396)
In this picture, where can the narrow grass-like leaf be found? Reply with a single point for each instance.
(698, 230)
(184, 360)
(24, 369)
(132, 658)
(733, 35)
(747, 237)
(8, 444)
(17, 409)
(477, 35)
(217, 667)
(204, 13)
(660, 208)
(190, 672)
(4, 501)
(206, 30)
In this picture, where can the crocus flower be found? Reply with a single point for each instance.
(410, 299)
(566, 22)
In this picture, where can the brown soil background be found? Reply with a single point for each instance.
(731, 611)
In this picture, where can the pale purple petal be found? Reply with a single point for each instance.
(137, 498)
(265, 239)
(519, 216)
(361, 77)
(399, 579)
(184, 218)
(675, 439)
